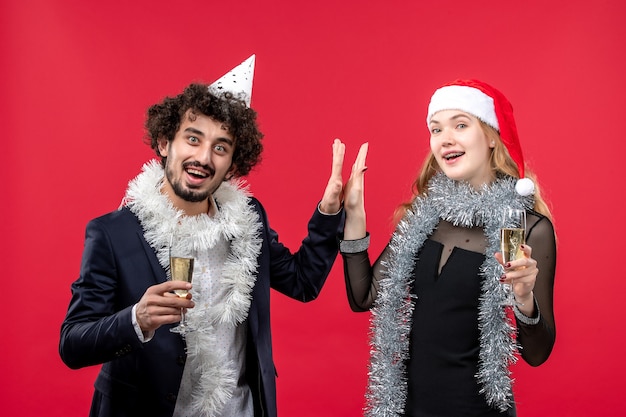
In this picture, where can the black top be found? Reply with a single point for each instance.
(444, 342)
(444, 339)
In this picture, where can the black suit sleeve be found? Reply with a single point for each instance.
(302, 274)
(98, 326)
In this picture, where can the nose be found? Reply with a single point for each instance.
(446, 137)
(204, 154)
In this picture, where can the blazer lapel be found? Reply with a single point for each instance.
(157, 270)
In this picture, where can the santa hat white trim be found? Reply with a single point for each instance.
(467, 99)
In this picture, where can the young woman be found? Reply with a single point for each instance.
(443, 336)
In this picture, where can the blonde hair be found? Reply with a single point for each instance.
(501, 162)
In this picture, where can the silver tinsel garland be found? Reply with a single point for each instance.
(392, 314)
(237, 223)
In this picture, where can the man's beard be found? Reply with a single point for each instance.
(190, 195)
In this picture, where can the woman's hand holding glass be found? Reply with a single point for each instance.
(521, 274)
(520, 269)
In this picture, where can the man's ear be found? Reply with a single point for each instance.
(230, 173)
(163, 147)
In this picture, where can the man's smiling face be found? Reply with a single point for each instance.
(199, 158)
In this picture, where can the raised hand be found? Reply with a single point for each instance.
(331, 201)
(354, 202)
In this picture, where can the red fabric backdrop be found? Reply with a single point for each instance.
(77, 76)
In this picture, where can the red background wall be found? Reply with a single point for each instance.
(77, 77)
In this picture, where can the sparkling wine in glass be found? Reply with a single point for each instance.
(512, 237)
(181, 269)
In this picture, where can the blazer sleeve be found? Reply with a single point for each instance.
(302, 274)
(98, 326)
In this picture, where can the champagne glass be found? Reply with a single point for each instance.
(512, 237)
(181, 269)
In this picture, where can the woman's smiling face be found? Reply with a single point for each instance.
(461, 148)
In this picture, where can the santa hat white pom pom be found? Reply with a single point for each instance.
(525, 187)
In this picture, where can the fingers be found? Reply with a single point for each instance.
(331, 200)
(359, 163)
(339, 150)
(355, 183)
(150, 318)
(523, 269)
(358, 169)
(353, 190)
(159, 302)
(171, 294)
(159, 306)
(498, 256)
(527, 250)
(168, 286)
(526, 262)
(521, 273)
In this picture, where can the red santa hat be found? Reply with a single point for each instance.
(492, 107)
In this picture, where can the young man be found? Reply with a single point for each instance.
(123, 306)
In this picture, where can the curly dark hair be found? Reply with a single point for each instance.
(164, 120)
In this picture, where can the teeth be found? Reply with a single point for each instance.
(196, 172)
(453, 155)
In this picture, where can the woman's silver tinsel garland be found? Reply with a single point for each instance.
(461, 205)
